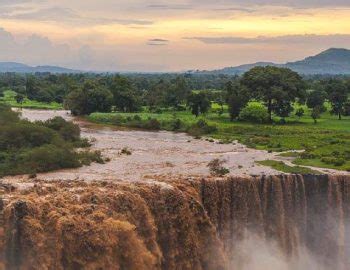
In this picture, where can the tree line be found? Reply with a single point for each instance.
(278, 89)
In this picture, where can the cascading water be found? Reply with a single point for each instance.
(272, 222)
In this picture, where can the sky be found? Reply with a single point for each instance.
(159, 35)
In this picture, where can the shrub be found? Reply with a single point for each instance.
(152, 124)
(27, 147)
(118, 120)
(254, 113)
(333, 161)
(176, 124)
(200, 128)
(137, 118)
(68, 130)
(87, 157)
(47, 158)
(300, 112)
(26, 135)
(307, 155)
(216, 167)
(125, 151)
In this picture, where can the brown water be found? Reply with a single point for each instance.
(275, 222)
(154, 154)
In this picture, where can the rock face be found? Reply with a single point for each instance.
(184, 224)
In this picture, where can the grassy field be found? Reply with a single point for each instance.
(9, 98)
(326, 144)
(282, 167)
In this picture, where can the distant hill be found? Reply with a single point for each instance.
(332, 61)
(22, 68)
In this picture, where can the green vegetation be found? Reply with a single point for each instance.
(299, 133)
(216, 167)
(10, 98)
(28, 148)
(267, 108)
(255, 113)
(282, 167)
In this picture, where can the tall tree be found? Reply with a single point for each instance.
(315, 99)
(88, 99)
(237, 98)
(337, 94)
(177, 93)
(199, 103)
(155, 96)
(276, 87)
(31, 87)
(125, 96)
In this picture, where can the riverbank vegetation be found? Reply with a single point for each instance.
(268, 108)
(29, 148)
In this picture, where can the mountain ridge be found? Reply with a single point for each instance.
(332, 61)
(23, 68)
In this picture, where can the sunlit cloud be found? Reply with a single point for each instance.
(160, 35)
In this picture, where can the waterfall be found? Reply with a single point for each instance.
(244, 223)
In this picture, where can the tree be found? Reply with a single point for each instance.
(155, 96)
(276, 87)
(19, 98)
(177, 93)
(237, 98)
(255, 113)
(282, 108)
(99, 99)
(31, 87)
(315, 114)
(316, 99)
(125, 96)
(88, 99)
(337, 92)
(347, 109)
(220, 100)
(76, 102)
(300, 112)
(199, 103)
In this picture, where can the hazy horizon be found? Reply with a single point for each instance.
(143, 36)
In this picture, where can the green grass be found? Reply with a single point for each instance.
(282, 167)
(9, 98)
(330, 137)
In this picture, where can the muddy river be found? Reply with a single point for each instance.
(153, 154)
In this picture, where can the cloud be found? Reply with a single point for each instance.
(38, 50)
(47, 14)
(288, 39)
(170, 7)
(13, 2)
(158, 42)
(239, 9)
(285, 3)
(67, 15)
